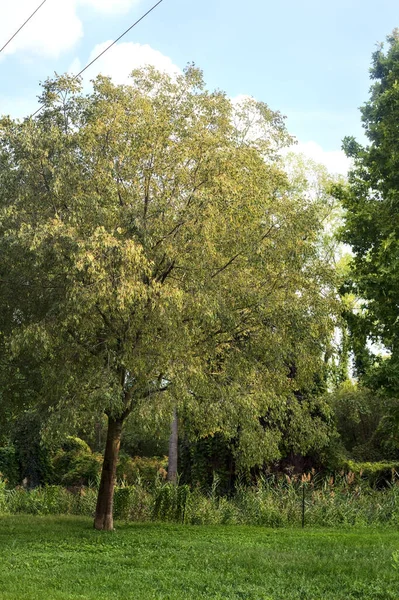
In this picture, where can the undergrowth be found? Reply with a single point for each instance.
(272, 502)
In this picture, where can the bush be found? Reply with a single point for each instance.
(84, 501)
(203, 510)
(75, 464)
(83, 471)
(49, 500)
(378, 474)
(75, 445)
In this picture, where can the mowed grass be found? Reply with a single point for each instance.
(51, 558)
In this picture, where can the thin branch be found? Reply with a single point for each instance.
(171, 232)
(104, 318)
(167, 271)
(229, 262)
(81, 343)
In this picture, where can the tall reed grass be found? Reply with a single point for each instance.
(274, 502)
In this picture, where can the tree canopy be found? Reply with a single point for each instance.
(372, 205)
(155, 253)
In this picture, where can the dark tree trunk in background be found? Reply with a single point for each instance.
(173, 442)
(104, 519)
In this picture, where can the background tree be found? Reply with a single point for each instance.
(372, 207)
(372, 200)
(158, 255)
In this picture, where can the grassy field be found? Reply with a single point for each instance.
(51, 558)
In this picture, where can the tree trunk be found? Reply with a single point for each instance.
(173, 441)
(105, 500)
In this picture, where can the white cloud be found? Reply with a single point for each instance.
(55, 28)
(118, 63)
(334, 160)
(121, 59)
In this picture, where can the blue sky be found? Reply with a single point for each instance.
(308, 59)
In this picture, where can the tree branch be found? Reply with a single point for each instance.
(229, 262)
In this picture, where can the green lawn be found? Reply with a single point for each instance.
(49, 558)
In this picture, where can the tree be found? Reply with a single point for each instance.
(173, 448)
(157, 256)
(372, 205)
(358, 412)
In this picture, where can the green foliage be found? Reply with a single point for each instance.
(371, 202)
(54, 500)
(171, 502)
(133, 503)
(75, 464)
(146, 433)
(377, 474)
(170, 260)
(367, 421)
(9, 467)
(141, 468)
(3, 497)
(200, 460)
(347, 500)
(32, 454)
(358, 413)
(74, 445)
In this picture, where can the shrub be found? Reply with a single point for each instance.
(75, 445)
(75, 464)
(83, 471)
(83, 501)
(203, 510)
(378, 474)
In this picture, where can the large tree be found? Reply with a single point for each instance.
(156, 255)
(371, 228)
(371, 219)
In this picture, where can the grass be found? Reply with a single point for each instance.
(56, 558)
(270, 503)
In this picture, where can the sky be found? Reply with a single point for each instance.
(310, 60)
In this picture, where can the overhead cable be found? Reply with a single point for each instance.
(110, 46)
(22, 26)
(117, 39)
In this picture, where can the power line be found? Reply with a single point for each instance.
(22, 26)
(110, 46)
(117, 39)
